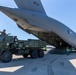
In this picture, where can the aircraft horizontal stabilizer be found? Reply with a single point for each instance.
(32, 5)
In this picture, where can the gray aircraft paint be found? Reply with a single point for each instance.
(31, 16)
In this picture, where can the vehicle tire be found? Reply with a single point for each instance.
(34, 54)
(6, 57)
(25, 55)
(40, 53)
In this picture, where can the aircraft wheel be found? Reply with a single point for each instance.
(6, 57)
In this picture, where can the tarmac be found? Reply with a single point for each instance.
(50, 64)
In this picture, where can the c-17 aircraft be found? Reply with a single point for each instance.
(30, 16)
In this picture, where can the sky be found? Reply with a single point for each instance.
(61, 10)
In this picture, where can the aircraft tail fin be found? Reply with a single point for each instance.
(32, 5)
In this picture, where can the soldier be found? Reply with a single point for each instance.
(3, 32)
(67, 51)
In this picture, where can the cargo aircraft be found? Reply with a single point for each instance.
(31, 17)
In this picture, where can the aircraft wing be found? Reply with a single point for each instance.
(32, 5)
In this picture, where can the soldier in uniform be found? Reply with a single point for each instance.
(3, 32)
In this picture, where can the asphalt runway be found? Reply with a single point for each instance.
(50, 64)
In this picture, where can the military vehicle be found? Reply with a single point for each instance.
(10, 45)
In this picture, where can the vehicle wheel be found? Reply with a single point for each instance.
(34, 54)
(25, 55)
(41, 53)
(6, 57)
